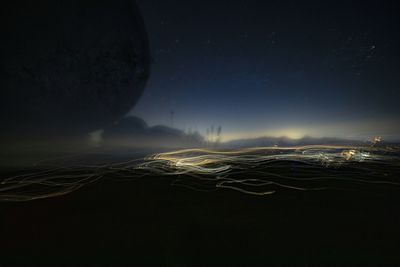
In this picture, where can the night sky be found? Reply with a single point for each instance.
(323, 68)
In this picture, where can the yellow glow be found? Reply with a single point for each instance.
(349, 154)
(293, 133)
(360, 130)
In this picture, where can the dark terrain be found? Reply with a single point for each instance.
(148, 222)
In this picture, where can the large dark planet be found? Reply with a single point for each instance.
(70, 66)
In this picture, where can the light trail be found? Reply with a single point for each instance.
(257, 171)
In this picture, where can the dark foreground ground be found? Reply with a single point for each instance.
(149, 222)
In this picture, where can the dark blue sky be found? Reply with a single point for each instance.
(274, 67)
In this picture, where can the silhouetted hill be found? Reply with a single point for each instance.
(134, 132)
(286, 141)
